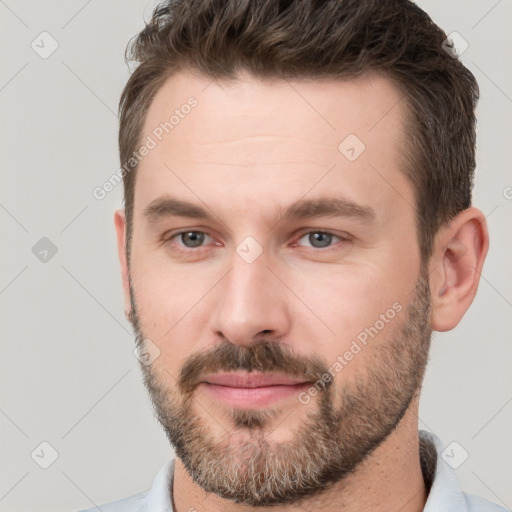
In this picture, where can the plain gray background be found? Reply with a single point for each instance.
(68, 376)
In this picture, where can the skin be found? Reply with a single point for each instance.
(246, 150)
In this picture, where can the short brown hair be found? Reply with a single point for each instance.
(340, 39)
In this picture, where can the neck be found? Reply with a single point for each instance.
(389, 479)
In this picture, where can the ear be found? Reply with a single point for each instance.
(455, 267)
(120, 225)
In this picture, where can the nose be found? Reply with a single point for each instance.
(251, 301)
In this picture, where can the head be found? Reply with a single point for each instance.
(298, 202)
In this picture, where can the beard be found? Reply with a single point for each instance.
(341, 429)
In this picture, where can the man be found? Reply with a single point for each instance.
(297, 222)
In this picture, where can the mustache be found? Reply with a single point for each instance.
(266, 356)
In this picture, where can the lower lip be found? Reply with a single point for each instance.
(253, 397)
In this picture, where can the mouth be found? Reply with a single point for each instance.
(250, 390)
(251, 380)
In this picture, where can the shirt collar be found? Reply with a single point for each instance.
(159, 499)
(444, 492)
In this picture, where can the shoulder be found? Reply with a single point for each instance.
(157, 498)
(478, 504)
(445, 492)
(135, 503)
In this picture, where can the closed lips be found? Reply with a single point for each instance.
(251, 380)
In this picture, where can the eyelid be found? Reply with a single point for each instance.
(168, 236)
(345, 237)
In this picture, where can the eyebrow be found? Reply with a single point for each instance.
(167, 206)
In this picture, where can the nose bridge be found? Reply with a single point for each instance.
(250, 300)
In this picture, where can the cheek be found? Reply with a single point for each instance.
(349, 298)
(166, 300)
(363, 306)
(166, 291)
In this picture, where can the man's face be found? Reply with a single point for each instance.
(261, 286)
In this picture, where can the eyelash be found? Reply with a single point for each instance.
(302, 235)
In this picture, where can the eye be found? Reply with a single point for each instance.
(193, 239)
(320, 239)
(189, 239)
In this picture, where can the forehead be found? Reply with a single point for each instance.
(321, 109)
(281, 135)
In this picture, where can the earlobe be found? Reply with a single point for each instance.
(120, 226)
(459, 256)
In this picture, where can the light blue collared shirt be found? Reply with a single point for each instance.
(445, 493)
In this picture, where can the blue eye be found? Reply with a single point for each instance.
(191, 239)
(320, 239)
